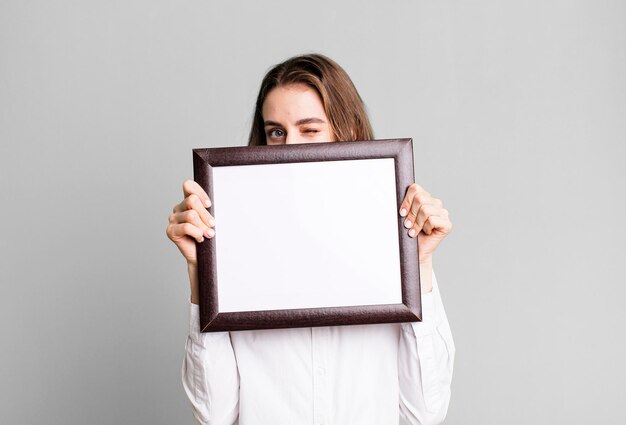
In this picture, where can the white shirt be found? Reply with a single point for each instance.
(337, 375)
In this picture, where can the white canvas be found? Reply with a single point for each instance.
(300, 235)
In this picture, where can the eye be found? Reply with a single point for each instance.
(276, 133)
(311, 131)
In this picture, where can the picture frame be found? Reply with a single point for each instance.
(307, 235)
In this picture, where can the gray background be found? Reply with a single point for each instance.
(518, 114)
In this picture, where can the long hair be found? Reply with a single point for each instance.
(342, 104)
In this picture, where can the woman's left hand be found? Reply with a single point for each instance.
(425, 216)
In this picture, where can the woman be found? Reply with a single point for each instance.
(328, 375)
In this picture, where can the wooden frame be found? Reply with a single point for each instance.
(207, 163)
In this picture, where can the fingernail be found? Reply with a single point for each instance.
(407, 223)
(207, 203)
(210, 233)
(211, 222)
(201, 240)
(412, 233)
(403, 212)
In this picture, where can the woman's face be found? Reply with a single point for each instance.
(295, 114)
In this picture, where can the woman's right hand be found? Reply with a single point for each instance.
(190, 221)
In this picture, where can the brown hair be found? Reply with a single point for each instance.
(342, 104)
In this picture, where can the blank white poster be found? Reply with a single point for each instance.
(301, 235)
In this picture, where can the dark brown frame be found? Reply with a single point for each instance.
(401, 150)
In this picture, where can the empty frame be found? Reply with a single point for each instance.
(307, 235)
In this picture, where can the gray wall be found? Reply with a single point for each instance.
(518, 113)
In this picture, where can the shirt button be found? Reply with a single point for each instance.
(321, 371)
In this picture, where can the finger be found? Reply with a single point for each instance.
(414, 209)
(193, 202)
(177, 231)
(408, 198)
(191, 216)
(435, 222)
(425, 212)
(419, 199)
(191, 187)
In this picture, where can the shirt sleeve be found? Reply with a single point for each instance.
(209, 374)
(425, 363)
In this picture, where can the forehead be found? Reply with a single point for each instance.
(292, 103)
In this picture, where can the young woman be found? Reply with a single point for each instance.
(343, 375)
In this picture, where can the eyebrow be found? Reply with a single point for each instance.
(299, 122)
